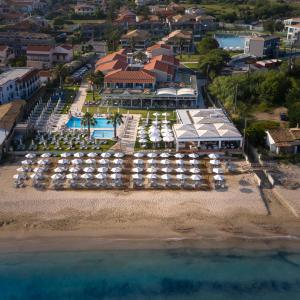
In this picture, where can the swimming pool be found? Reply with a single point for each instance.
(75, 122)
(103, 134)
(234, 42)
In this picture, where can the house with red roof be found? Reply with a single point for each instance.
(159, 49)
(63, 53)
(6, 53)
(118, 55)
(110, 66)
(163, 71)
(140, 79)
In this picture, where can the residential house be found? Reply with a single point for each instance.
(63, 53)
(25, 6)
(153, 24)
(118, 55)
(6, 53)
(180, 41)
(110, 66)
(262, 46)
(292, 21)
(208, 22)
(130, 79)
(293, 34)
(126, 18)
(163, 71)
(85, 9)
(40, 56)
(142, 2)
(159, 49)
(194, 11)
(136, 39)
(283, 140)
(18, 83)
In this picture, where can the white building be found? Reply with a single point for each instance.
(207, 130)
(18, 83)
(293, 34)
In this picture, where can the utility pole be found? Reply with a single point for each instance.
(245, 127)
(235, 97)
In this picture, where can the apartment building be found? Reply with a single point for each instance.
(262, 46)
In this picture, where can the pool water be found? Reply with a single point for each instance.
(231, 41)
(75, 122)
(103, 134)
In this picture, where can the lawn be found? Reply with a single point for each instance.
(89, 96)
(92, 21)
(70, 93)
(188, 57)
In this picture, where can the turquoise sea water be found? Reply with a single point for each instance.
(75, 122)
(140, 274)
(231, 41)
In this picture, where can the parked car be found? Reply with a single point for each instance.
(283, 116)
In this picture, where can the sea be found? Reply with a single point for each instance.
(150, 274)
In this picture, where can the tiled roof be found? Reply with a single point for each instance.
(112, 65)
(158, 46)
(167, 59)
(136, 34)
(281, 135)
(119, 76)
(111, 57)
(39, 48)
(161, 66)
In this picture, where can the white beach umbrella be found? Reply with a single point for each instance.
(214, 162)
(92, 154)
(87, 176)
(196, 177)
(179, 155)
(65, 154)
(30, 155)
(46, 155)
(116, 176)
(155, 122)
(63, 161)
(218, 171)
(165, 114)
(165, 121)
(78, 154)
(39, 170)
(141, 127)
(44, 162)
(137, 170)
(102, 170)
(103, 161)
(179, 162)
(181, 176)
(59, 170)
(194, 162)
(22, 170)
(58, 177)
(152, 161)
(165, 155)
(142, 135)
(165, 162)
(168, 138)
(105, 155)
(152, 170)
(89, 170)
(167, 170)
(166, 177)
(90, 161)
(142, 141)
(138, 154)
(74, 170)
(37, 176)
(180, 170)
(155, 139)
(72, 176)
(193, 155)
(219, 177)
(195, 170)
(101, 176)
(152, 155)
(119, 155)
(116, 170)
(152, 176)
(138, 161)
(137, 176)
(19, 176)
(213, 156)
(76, 161)
(156, 114)
(118, 161)
(27, 162)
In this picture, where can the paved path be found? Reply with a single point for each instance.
(80, 98)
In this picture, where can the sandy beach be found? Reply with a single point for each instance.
(33, 220)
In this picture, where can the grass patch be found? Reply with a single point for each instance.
(188, 57)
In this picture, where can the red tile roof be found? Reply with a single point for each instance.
(112, 65)
(39, 48)
(158, 46)
(119, 76)
(167, 58)
(160, 66)
(111, 57)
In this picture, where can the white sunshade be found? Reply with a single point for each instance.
(58, 177)
(78, 154)
(63, 161)
(74, 170)
(165, 155)
(116, 170)
(30, 155)
(156, 114)
(44, 162)
(92, 155)
(166, 177)
(152, 155)
(152, 170)
(194, 162)
(119, 155)
(152, 161)
(105, 154)
(217, 170)
(167, 170)
(155, 139)
(116, 176)
(118, 161)
(167, 92)
(165, 121)
(195, 170)
(103, 161)
(39, 170)
(77, 161)
(137, 176)
(219, 177)
(214, 162)
(193, 155)
(72, 176)
(87, 176)
(180, 170)
(27, 162)
(89, 170)
(46, 155)
(179, 162)
(142, 141)
(213, 156)
(196, 177)
(37, 176)
(65, 154)
(19, 176)
(22, 169)
(165, 161)
(138, 161)
(138, 154)
(90, 161)
(59, 170)
(137, 170)
(101, 176)
(181, 176)
(102, 170)
(168, 139)
(165, 114)
(152, 176)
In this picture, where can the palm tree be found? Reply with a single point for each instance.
(116, 120)
(60, 71)
(88, 120)
(92, 80)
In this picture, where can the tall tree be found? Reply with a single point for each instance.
(207, 44)
(116, 120)
(92, 80)
(88, 120)
(61, 72)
